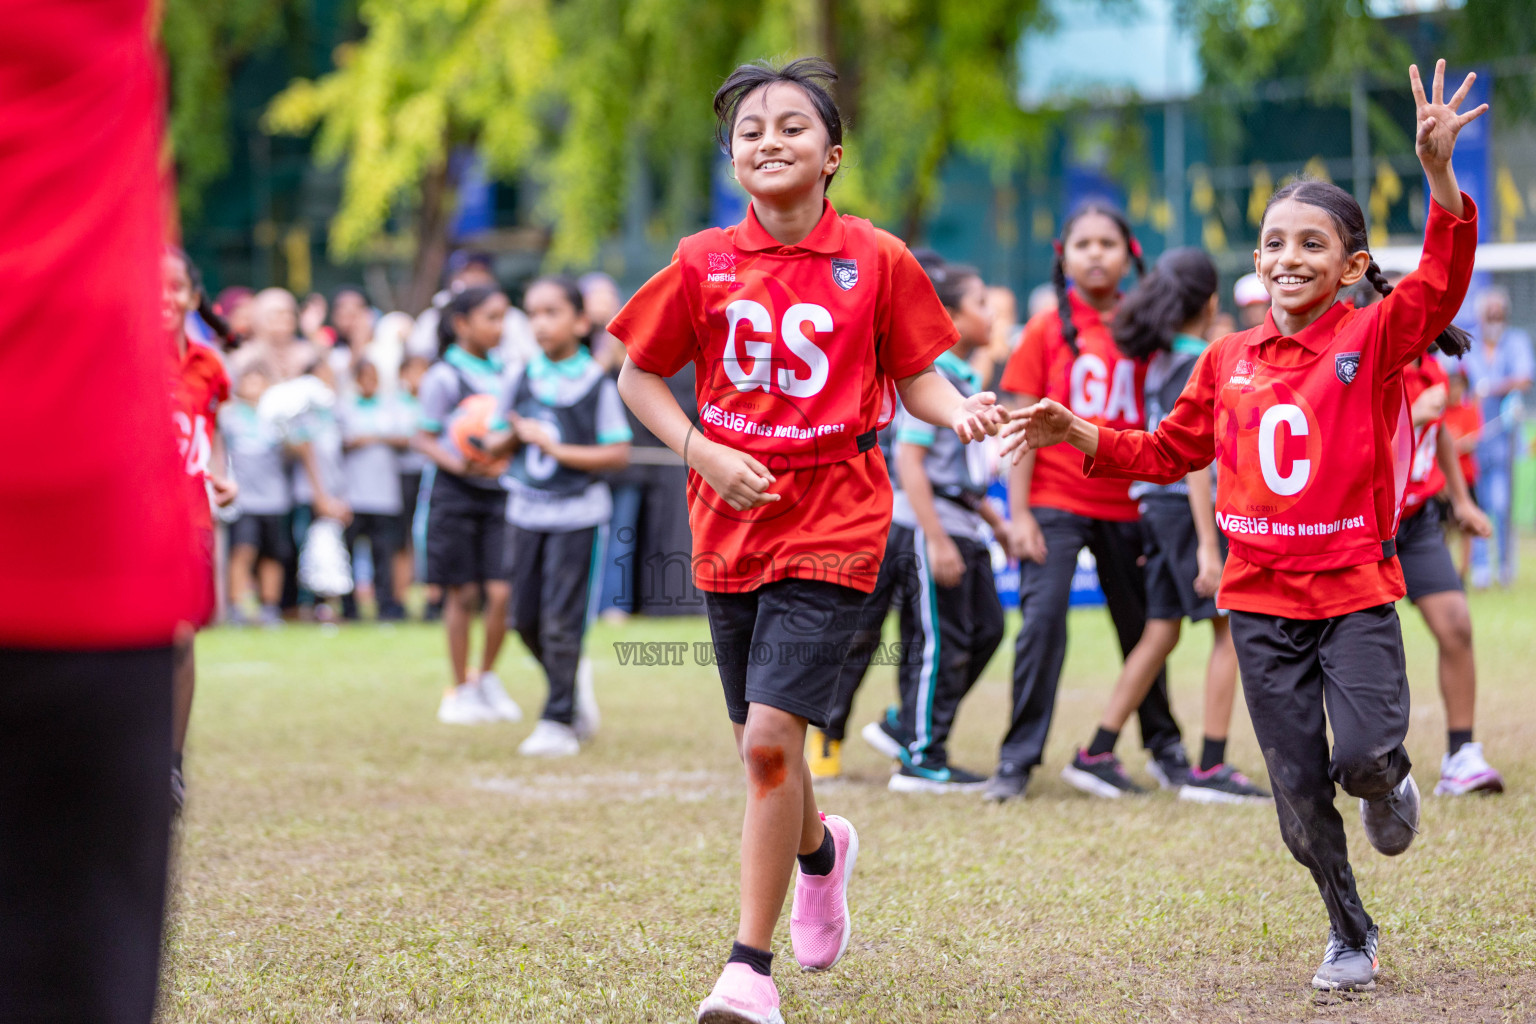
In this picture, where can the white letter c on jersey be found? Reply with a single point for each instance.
(1296, 420)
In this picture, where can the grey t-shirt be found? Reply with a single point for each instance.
(319, 426)
(1167, 375)
(408, 409)
(561, 384)
(447, 383)
(373, 479)
(256, 459)
(950, 464)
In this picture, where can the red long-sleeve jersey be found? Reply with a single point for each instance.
(1396, 330)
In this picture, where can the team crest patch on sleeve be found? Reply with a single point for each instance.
(1346, 365)
(845, 273)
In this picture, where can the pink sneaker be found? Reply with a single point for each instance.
(819, 924)
(741, 996)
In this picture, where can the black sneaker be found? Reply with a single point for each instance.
(1101, 775)
(1170, 766)
(1008, 784)
(1350, 968)
(911, 778)
(1223, 784)
(1392, 822)
(886, 736)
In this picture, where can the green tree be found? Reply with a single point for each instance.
(205, 44)
(580, 94)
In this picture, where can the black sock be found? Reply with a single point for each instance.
(1212, 753)
(1103, 742)
(1458, 739)
(760, 960)
(176, 758)
(823, 860)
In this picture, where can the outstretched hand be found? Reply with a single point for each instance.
(1439, 120)
(978, 416)
(1043, 424)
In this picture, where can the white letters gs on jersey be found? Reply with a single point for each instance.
(759, 354)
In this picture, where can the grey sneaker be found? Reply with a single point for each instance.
(1392, 822)
(1170, 766)
(1351, 968)
(1008, 784)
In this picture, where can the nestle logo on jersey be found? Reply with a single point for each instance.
(1242, 374)
(722, 266)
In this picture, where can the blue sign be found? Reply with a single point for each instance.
(1473, 159)
(473, 211)
(1086, 590)
(727, 199)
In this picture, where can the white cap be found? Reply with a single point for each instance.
(1249, 291)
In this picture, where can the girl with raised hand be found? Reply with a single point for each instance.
(1307, 416)
(801, 323)
(1068, 354)
(1164, 320)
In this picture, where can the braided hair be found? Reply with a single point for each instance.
(1058, 264)
(1180, 285)
(205, 308)
(1350, 221)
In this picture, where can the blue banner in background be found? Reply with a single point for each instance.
(1005, 573)
(473, 212)
(727, 201)
(1473, 158)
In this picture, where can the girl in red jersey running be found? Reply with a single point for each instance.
(199, 385)
(798, 321)
(1069, 355)
(1314, 396)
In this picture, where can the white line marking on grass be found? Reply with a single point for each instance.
(609, 787)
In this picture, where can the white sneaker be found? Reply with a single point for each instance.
(550, 739)
(1466, 771)
(588, 715)
(495, 695)
(465, 705)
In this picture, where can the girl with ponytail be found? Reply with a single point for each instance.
(1306, 414)
(199, 385)
(1164, 320)
(1069, 354)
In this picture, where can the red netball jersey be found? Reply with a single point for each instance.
(1292, 494)
(1425, 478)
(1100, 384)
(198, 387)
(94, 532)
(796, 348)
(1308, 428)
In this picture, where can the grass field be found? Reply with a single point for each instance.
(346, 858)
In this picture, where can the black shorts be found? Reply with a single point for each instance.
(783, 644)
(466, 531)
(1421, 550)
(85, 819)
(1172, 560)
(410, 493)
(270, 535)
